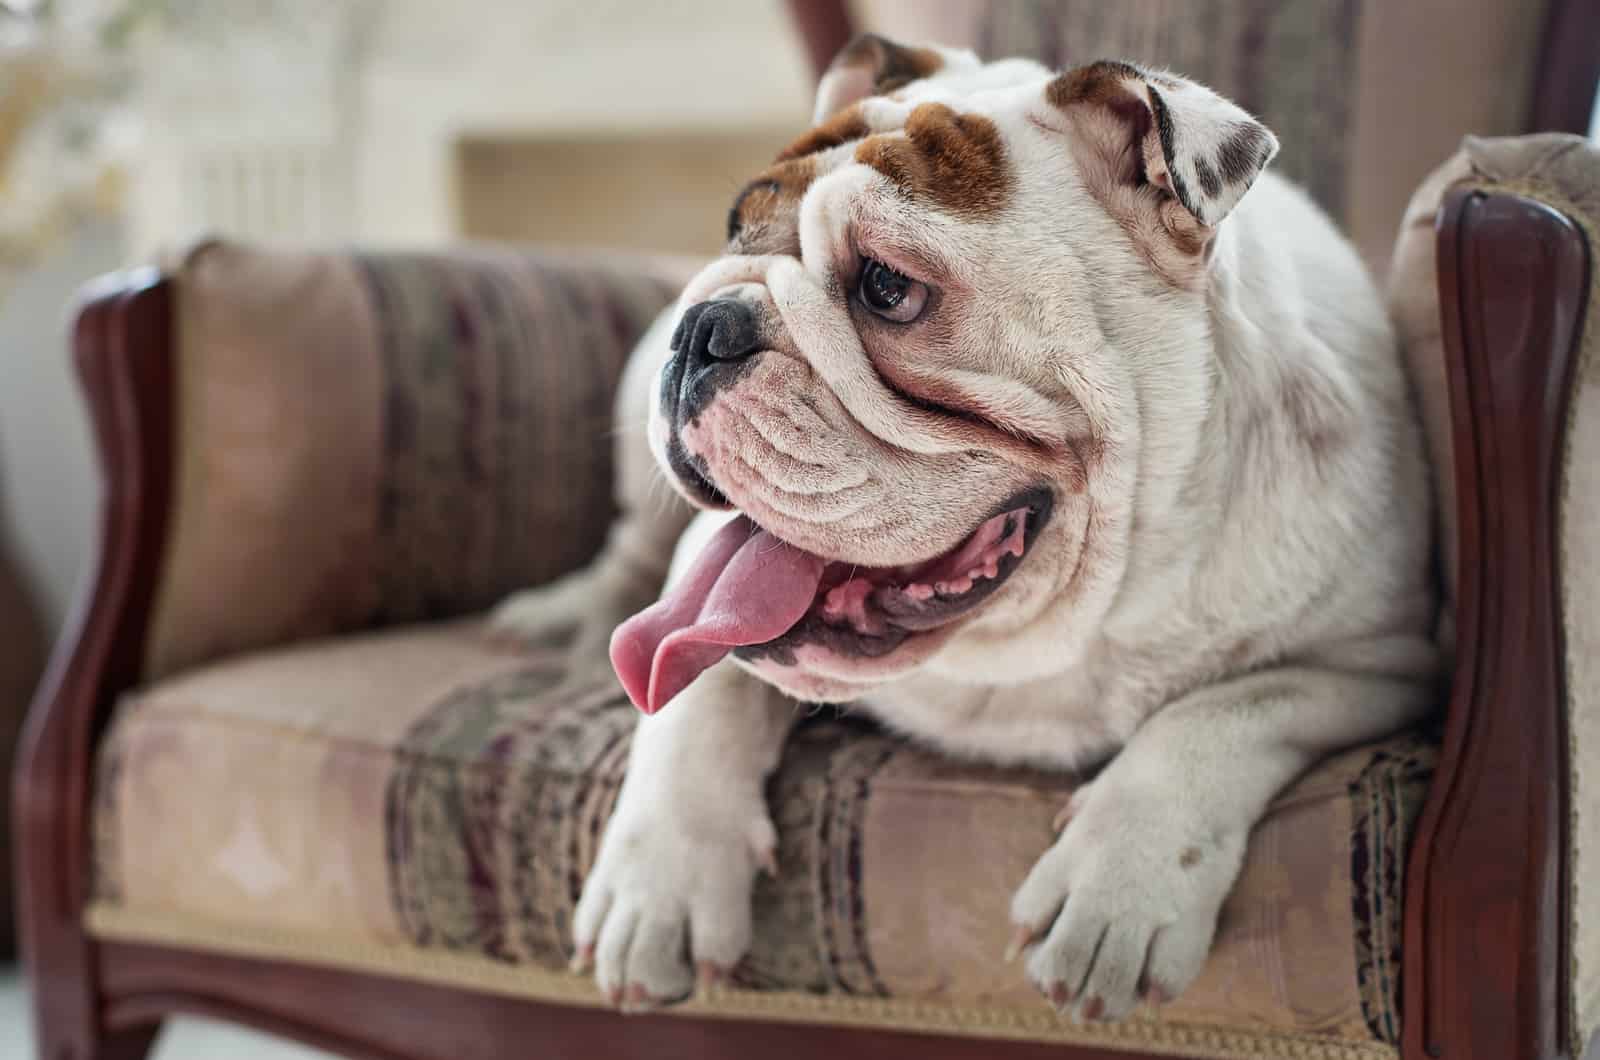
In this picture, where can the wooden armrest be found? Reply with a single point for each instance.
(122, 348)
(1485, 947)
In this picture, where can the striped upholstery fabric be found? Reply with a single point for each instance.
(371, 439)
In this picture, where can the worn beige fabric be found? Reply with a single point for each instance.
(370, 439)
(1580, 566)
(1563, 172)
(277, 397)
(418, 791)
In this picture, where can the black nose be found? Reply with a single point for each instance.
(723, 329)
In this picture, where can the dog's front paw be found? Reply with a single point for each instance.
(668, 901)
(578, 610)
(1124, 905)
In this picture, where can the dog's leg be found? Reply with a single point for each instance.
(626, 576)
(673, 879)
(1125, 903)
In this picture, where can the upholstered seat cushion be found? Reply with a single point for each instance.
(416, 802)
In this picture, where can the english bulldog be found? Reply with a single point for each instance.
(1028, 413)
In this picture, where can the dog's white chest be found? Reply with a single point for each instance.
(1040, 723)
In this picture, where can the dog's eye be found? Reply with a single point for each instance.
(890, 294)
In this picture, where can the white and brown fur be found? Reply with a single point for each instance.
(1234, 582)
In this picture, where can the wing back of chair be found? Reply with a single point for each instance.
(1366, 96)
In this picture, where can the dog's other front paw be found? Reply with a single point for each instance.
(577, 611)
(1124, 905)
(668, 902)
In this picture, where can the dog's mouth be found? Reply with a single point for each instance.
(752, 593)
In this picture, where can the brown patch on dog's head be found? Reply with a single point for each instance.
(956, 161)
(1100, 83)
(842, 128)
(765, 216)
(1167, 158)
(871, 65)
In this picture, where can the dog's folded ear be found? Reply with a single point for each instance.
(871, 65)
(1158, 130)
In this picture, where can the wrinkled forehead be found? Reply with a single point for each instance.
(940, 142)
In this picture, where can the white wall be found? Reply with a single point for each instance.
(47, 477)
(556, 66)
(391, 96)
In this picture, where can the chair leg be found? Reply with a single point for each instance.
(79, 1043)
(132, 1044)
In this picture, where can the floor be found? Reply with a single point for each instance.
(182, 1039)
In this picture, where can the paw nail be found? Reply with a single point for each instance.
(582, 959)
(1094, 1008)
(769, 863)
(1059, 994)
(1062, 819)
(709, 975)
(1019, 938)
(636, 1000)
(1157, 994)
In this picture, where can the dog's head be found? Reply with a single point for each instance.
(953, 324)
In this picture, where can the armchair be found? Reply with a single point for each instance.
(275, 775)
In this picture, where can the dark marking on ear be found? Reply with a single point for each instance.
(1210, 182)
(1189, 858)
(894, 65)
(871, 66)
(1240, 155)
(1102, 85)
(1158, 107)
(842, 128)
(957, 161)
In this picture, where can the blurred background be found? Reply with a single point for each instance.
(130, 126)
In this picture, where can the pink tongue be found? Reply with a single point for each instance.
(747, 587)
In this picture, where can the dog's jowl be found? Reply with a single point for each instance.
(1031, 414)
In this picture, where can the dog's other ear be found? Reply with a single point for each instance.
(1164, 132)
(871, 65)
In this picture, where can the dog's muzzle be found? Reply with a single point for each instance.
(711, 346)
